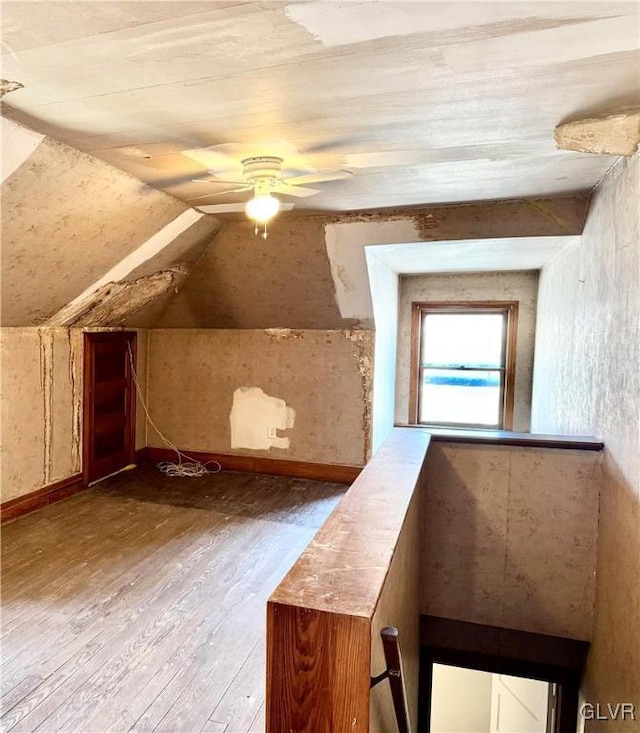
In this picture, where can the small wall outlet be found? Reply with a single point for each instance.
(272, 432)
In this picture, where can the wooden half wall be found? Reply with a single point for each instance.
(358, 575)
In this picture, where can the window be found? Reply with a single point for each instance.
(463, 364)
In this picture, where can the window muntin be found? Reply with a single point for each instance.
(463, 364)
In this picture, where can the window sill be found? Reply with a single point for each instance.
(506, 437)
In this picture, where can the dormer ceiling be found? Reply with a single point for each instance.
(423, 102)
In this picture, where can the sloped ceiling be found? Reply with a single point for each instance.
(72, 224)
(311, 273)
(426, 102)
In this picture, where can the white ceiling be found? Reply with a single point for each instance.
(426, 102)
(472, 255)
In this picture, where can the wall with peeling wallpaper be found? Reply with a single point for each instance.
(520, 286)
(69, 220)
(312, 273)
(324, 378)
(587, 380)
(510, 537)
(41, 380)
(245, 282)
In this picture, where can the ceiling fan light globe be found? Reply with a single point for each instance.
(262, 209)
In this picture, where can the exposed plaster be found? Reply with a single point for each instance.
(350, 280)
(285, 334)
(425, 224)
(45, 341)
(361, 341)
(7, 86)
(617, 134)
(256, 417)
(153, 246)
(428, 219)
(75, 365)
(393, 214)
(114, 302)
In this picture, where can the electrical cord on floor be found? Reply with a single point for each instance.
(187, 468)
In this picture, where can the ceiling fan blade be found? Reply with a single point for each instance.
(233, 208)
(217, 180)
(335, 143)
(297, 191)
(222, 193)
(221, 208)
(318, 177)
(189, 178)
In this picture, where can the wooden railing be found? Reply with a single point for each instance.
(395, 674)
(359, 575)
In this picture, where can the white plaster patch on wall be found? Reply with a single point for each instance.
(18, 143)
(256, 418)
(345, 242)
(349, 272)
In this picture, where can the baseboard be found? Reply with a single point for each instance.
(41, 497)
(273, 466)
(142, 456)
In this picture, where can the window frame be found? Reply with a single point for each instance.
(507, 307)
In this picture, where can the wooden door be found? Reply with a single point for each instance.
(109, 403)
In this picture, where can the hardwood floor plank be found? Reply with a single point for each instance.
(135, 632)
(140, 604)
(195, 690)
(123, 580)
(244, 697)
(212, 726)
(258, 724)
(255, 571)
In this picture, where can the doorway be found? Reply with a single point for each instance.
(109, 403)
(520, 671)
(474, 701)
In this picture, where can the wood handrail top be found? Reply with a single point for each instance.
(507, 437)
(343, 569)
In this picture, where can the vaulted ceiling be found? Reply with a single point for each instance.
(423, 101)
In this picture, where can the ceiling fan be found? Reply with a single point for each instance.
(262, 174)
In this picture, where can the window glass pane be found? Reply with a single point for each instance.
(453, 339)
(464, 398)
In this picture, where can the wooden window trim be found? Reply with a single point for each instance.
(508, 306)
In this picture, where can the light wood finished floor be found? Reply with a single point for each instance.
(139, 605)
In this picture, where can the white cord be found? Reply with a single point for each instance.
(188, 468)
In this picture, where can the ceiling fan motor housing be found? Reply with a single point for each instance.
(261, 168)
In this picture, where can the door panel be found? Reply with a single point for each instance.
(518, 705)
(109, 403)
